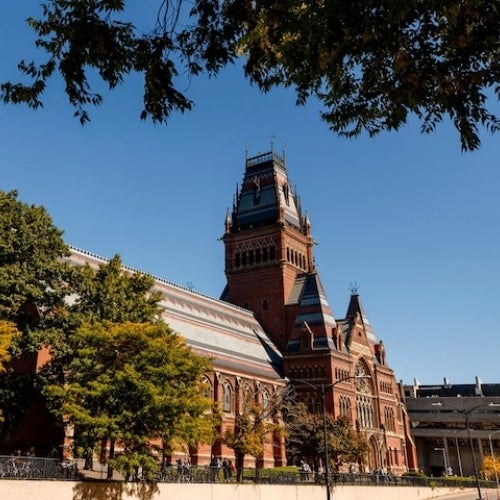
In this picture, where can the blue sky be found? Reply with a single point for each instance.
(408, 217)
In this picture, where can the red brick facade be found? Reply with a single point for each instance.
(274, 320)
(270, 270)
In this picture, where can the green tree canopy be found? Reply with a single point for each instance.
(32, 271)
(306, 438)
(106, 293)
(115, 370)
(111, 294)
(8, 331)
(131, 384)
(253, 428)
(33, 286)
(371, 63)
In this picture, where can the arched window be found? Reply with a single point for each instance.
(314, 404)
(227, 398)
(345, 407)
(264, 254)
(364, 409)
(207, 388)
(257, 256)
(247, 399)
(265, 400)
(389, 419)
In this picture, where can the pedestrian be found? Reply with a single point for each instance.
(225, 469)
(213, 469)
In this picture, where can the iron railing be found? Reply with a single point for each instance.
(29, 467)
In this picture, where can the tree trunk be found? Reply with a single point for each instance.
(89, 459)
(240, 458)
(110, 457)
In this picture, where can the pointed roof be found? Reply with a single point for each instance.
(355, 307)
(266, 196)
(314, 313)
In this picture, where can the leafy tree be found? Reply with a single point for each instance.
(371, 63)
(107, 293)
(490, 465)
(33, 285)
(129, 384)
(253, 428)
(110, 294)
(32, 272)
(8, 331)
(306, 438)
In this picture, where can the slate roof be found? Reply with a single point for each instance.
(356, 307)
(265, 192)
(228, 334)
(314, 311)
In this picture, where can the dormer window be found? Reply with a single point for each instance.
(256, 191)
(286, 194)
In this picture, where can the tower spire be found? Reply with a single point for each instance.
(267, 245)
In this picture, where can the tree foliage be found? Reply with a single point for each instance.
(371, 63)
(110, 294)
(306, 438)
(490, 465)
(32, 271)
(115, 370)
(8, 331)
(130, 384)
(253, 428)
(33, 285)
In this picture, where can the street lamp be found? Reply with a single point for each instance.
(466, 414)
(493, 456)
(322, 390)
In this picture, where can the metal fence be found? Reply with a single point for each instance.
(28, 467)
(270, 476)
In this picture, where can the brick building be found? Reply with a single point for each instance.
(274, 322)
(270, 270)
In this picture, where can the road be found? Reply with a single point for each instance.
(472, 495)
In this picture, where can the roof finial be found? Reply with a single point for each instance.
(272, 142)
(247, 145)
(283, 149)
(354, 288)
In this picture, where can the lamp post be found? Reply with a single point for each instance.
(322, 390)
(458, 453)
(493, 456)
(466, 413)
